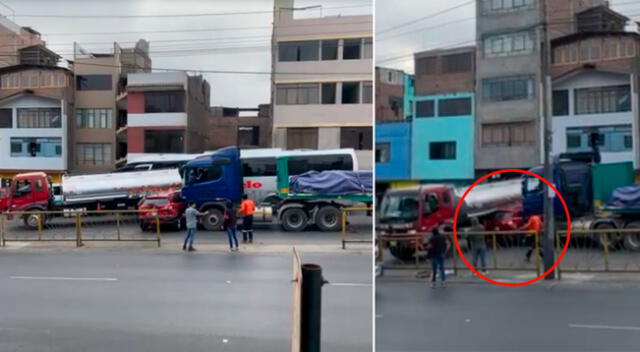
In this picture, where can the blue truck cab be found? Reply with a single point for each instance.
(211, 181)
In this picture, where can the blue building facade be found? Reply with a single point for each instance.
(393, 151)
(442, 140)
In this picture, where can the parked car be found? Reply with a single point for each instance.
(170, 208)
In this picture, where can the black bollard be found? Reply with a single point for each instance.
(311, 310)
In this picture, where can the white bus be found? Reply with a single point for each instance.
(259, 166)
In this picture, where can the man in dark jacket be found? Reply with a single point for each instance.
(229, 223)
(437, 248)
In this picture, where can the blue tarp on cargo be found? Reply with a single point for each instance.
(626, 197)
(332, 182)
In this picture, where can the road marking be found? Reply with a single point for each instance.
(607, 327)
(348, 284)
(63, 278)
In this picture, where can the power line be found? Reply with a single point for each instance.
(425, 28)
(425, 17)
(175, 15)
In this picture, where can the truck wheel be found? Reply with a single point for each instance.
(613, 239)
(294, 219)
(31, 221)
(632, 240)
(212, 221)
(329, 218)
(402, 252)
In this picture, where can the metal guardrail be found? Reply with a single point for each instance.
(56, 226)
(343, 236)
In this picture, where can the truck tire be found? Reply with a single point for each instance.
(632, 240)
(613, 239)
(212, 221)
(329, 218)
(402, 252)
(294, 219)
(31, 221)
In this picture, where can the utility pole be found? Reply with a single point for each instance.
(549, 214)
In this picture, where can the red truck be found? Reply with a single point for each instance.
(417, 210)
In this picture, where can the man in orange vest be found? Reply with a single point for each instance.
(247, 208)
(534, 224)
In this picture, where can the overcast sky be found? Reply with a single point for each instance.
(453, 28)
(199, 50)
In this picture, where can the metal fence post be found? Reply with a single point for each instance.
(158, 227)
(606, 251)
(118, 224)
(381, 249)
(416, 253)
(78, 230)
(558, 253)
(495, 251)
(311, 313)
(344, 228)
(39, 217)
(536, 238)
(3, 229)
(454, 256)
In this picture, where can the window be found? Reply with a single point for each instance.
(508, 88)
(328, 93)
(93, 154)
(595, 52)
(93, 82)
(509, 44)
(454, 107)
(425, 108)
(297, 94)
(299, 51)
(560, 102)
(164, 141)
(203, 174)
(330, 49)
(248, 136)
(457, 63)
(94, 118)
(383, 153)
(302, 138)
(611, 139)
(367, 48)
(442, 150)
(508, 134)
(496, 6)
(36, 147)
(395, 104)
(300, 164)
(367, 92)
(6, 118)
(611, 49)
(584, 53)
(603, 100)
(351, 49)
(259, 167)
(350, 92)
(359, 138)
(168, 101)
(426, 66)
(39, 118)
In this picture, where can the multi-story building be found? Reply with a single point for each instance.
(167, 112)
(322, 89)
(242, 127)
(595, 87)
(509, 77)
(13, 38)
(100, 105)
(390, 92)
(442, 142)
(35, 104)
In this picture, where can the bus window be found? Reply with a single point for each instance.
(301, 164)
(259, 167)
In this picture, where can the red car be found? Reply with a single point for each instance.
(169, 207)
(505, 221)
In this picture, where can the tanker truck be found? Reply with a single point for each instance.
(418, 210)
(31, 192)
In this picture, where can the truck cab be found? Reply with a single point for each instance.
(28, 192)
(212, 180)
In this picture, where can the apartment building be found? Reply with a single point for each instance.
(242, 127)
(100, 107)
(35, 103)
(167, 112)
(442, 142)
(595, 87)
(390, 92)
(509, 77)
(322, 89)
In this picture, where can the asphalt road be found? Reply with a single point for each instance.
(571, 316)
(155, 300)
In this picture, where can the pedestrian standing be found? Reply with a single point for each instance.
(247, 208)
(437, 248)
(534, 224)
(230, 220)
(478, 245)
(191, 215)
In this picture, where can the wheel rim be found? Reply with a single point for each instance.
(330, 220)
(214, 220)
(295, 220)
(32, 220)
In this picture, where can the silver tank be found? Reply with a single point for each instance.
(488, 197)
